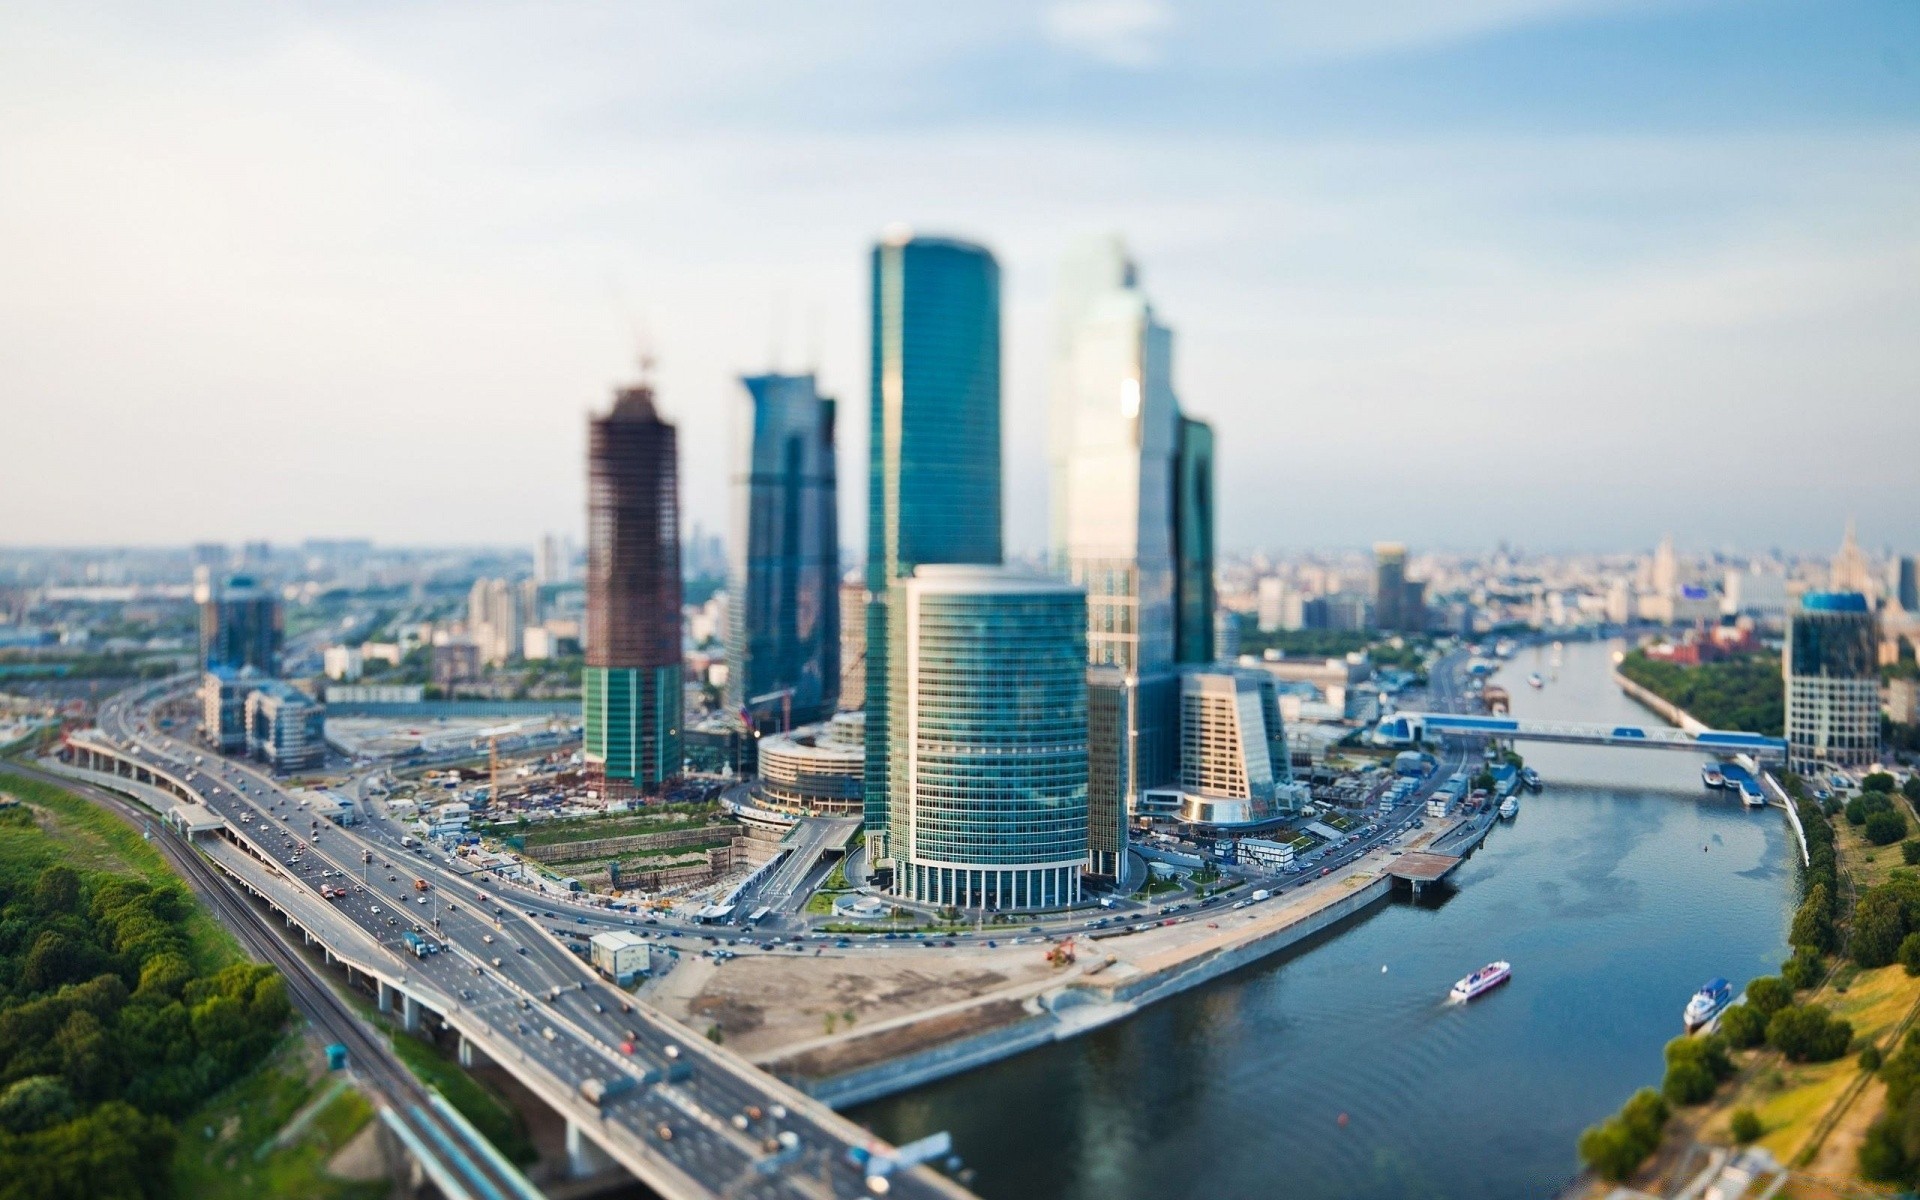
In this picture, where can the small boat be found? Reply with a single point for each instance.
(1509, 808)
(1482, 981)
(1751, 795)
(1534, 680)
(1530, 778)
(1711, 776)
(1714, 995)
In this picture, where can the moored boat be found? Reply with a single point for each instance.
(1510, 808)
(1711, 776)
(1482, 981)
(1707, 1003)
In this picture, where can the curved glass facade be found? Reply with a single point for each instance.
(989, 765)
(1832, 668)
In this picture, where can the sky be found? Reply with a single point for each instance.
(1570, 273)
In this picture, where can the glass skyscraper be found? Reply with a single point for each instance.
(783, 639)
(241, 625)
(1832, 674)
(989, 720)
(631, 687)
(1193, 589)
(934, 471)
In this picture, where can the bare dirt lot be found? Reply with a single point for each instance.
(766, 1003)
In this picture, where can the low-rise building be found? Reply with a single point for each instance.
(816, 768)
(619, 955)
(286, 728)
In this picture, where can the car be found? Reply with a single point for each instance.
(376, 910)
(519, 949)
(422, 900)
(663, 1131)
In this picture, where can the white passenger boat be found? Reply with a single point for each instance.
(1482, 981)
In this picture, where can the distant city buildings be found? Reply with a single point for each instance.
(631, 688)
(1832, 675)
(241, 625)
(286, 728)
(552, 560)
(495, 617)
(990, 739)
(934, 462)
(783, 647)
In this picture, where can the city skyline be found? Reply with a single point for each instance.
(1436, 226)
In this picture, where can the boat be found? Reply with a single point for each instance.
(1510, 808)
(1707, 1003)
(1751, 795)
(1482, 981)
(1711, 776)
(1534, 680)
(1530, 778)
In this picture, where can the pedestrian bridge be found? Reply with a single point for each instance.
(1411, 728)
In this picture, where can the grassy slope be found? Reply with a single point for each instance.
(73, 831)
(90, 838)
(219, 1157)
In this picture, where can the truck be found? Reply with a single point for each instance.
(1262, 894)
(408, 842)
(415, 943)
(598, 1091)
(419, 885)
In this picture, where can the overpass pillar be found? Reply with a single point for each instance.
(470, 1054)
(409, 1013)
(584, 1155)
(385, 995)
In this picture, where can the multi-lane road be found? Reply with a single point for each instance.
(713, 1124)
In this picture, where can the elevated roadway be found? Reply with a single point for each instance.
(694, 1119)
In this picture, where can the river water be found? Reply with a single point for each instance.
(1615, 893)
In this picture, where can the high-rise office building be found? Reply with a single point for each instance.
(783, 648)
(1831, 666)
(1903, 582)
(494, 620)
(853, 645)
(1193, 588)
(934, 459)
(241, 625)
(1115, 441)
(1850, 571)
(989, 716)
(631, 687)
(1389, 584)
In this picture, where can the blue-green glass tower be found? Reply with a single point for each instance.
(934, 468)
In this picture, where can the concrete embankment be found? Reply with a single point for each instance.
(1101, 993)
(1670, 712)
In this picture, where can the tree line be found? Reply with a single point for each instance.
(108, 1030)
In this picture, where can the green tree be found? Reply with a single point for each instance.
(1803, 970)
(1769, 994)
(1909, 955)
(1813, 921)
(1687, 1082)
(1744, 1026)
(1746, 1126)
(1878, 781)
(1910, 853)
(1911, 788)
(1808, 1033)
(1879, 924)
(1885, 828)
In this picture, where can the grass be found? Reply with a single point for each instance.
(488, 1113)
(696, 853)
(85, 836)
(219, 1155)
(577, 829)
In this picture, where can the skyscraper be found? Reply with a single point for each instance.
(1850, 571)
(494, 620)
(853, 646)
(632, 683)
(1114, 440)
(1904, 582)
(1115, 430)
(1831, 666)
(783, 646)
(1389, 585)
(1193, 591)
(989, 715)
(934, 466)
(240, 625)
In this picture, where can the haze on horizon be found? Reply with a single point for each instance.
(1573, 273)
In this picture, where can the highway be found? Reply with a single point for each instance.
(720, 1126)
(469, 1168)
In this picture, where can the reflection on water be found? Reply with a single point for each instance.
(1614, 894)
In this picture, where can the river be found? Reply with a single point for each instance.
(1615, 893)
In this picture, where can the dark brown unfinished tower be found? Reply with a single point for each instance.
(632, 684)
